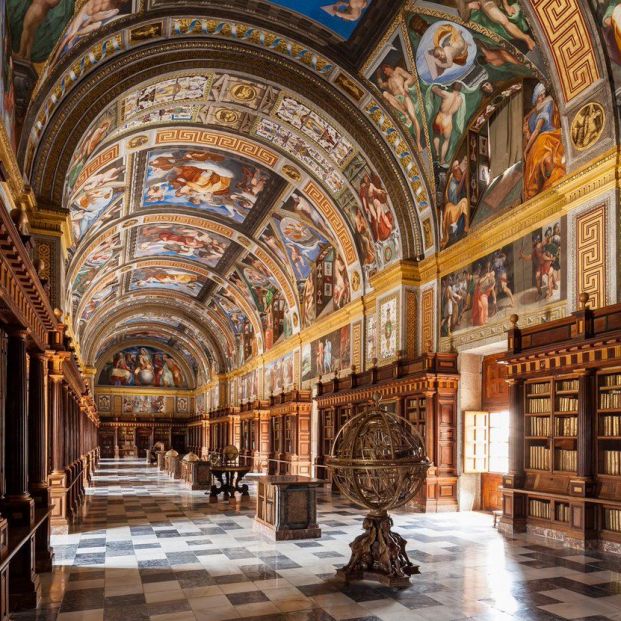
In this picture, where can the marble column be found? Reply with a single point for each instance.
(18, 503)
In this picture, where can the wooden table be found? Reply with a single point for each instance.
(287, 506)
(229, 478)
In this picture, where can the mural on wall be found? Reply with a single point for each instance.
(371, 216)
(107, 290)
(249, 386)
(37, 26)
(517, 278)
(144, 404)
(246, 346)
(399, 89)
(101, 258)
(327, 354)
(7, 88)
(388, 331)
(370, 339)
(183, 242)
(278, 375)
(299, 237)
(142, 366)
(203, 179)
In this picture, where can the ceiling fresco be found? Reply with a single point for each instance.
(242, 229)
(243, 208)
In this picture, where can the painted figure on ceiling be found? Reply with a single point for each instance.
(91, 17)
(449, 118)
(456, 210)
(399, 89)
(544, 155)
(500, 16)
(449, 49)
(349, 10)
(375, 202)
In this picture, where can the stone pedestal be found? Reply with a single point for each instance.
(161, 460)
(287, 507)
(198, 474)
(174, 467)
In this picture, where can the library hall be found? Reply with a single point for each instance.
(310, 310)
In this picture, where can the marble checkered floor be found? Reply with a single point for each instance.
(149, 550)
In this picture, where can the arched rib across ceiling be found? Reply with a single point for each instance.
(137, 66)
(206, 329)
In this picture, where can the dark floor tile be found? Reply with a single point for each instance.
(82, 599)
(249, 597)
(125, 600)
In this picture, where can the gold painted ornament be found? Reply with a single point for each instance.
(588, 125)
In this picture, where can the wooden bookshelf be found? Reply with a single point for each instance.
(565, 401)
(290, 429)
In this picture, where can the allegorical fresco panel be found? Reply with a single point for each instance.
(203, 179)
(327, 354)
(142, 366)
(341, 17)
(278, 375)
(7, 89)
(517, 278)
(48, 30)
(181, 242)
(608, 18)
(144, 404)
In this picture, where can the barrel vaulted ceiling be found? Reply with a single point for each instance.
(234, 172)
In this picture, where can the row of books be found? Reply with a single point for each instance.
(612, 519)
(567, 426)
(612, 380)
(539, 508)
(612, 462)
(611, 425)
(568, 385)
(538, 389)
(538, 406)
(539, 457)
(610, 400)
(567, 404)
(539, 426)
(566, 459)
(562, 512)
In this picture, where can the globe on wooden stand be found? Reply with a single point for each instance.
(378, 461)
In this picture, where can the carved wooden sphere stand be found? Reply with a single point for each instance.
(378, 461)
